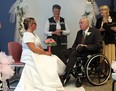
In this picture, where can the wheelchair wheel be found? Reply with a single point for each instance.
(98, 69)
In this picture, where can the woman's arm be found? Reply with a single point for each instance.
(38, 50)
(67, 31)
(46, 29)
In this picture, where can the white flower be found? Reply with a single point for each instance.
(88, 9)
(88, 33)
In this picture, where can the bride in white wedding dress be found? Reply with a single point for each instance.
(72, 10)
(42, 69)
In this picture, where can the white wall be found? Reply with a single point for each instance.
(72, 11)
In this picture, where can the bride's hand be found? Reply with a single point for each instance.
(48, 53)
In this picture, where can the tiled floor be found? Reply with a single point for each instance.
(106, 87)
(88, 87)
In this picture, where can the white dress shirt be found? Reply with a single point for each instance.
(49, 33)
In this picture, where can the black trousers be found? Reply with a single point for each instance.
(70, 56)
(57, 50)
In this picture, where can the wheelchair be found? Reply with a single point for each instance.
(94, 67)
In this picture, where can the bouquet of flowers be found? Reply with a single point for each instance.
(50, 42)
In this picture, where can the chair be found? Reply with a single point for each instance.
(15, 50)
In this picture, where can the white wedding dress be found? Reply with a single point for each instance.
(41, 72)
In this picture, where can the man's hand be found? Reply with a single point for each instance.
(81, 47)
(113, 28)
(101, 29)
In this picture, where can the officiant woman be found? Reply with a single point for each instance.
(57, 29)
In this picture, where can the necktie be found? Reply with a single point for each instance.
(83, 38)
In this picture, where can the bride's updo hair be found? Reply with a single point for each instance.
(27, 21)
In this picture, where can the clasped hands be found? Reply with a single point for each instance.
(81, 47)
(57, 32)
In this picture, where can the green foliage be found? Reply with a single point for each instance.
(21, 14)
(51, 44)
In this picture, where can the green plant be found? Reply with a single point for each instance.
(21, 14)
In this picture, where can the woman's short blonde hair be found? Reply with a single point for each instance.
(105, 7)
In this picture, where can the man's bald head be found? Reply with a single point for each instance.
(84, 23)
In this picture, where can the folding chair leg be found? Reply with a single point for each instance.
(113, 83)
(1, 85)
(8, 83)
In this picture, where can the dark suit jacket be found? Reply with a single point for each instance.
(99, 21)
(108, 34)
(93, 41)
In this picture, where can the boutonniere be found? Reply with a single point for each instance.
(88, 33)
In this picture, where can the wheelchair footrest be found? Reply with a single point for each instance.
(78, 82)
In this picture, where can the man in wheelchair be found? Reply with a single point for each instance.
(88, 40)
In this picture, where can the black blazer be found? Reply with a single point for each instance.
(99, 21)
(108, 34)
(93, 40)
